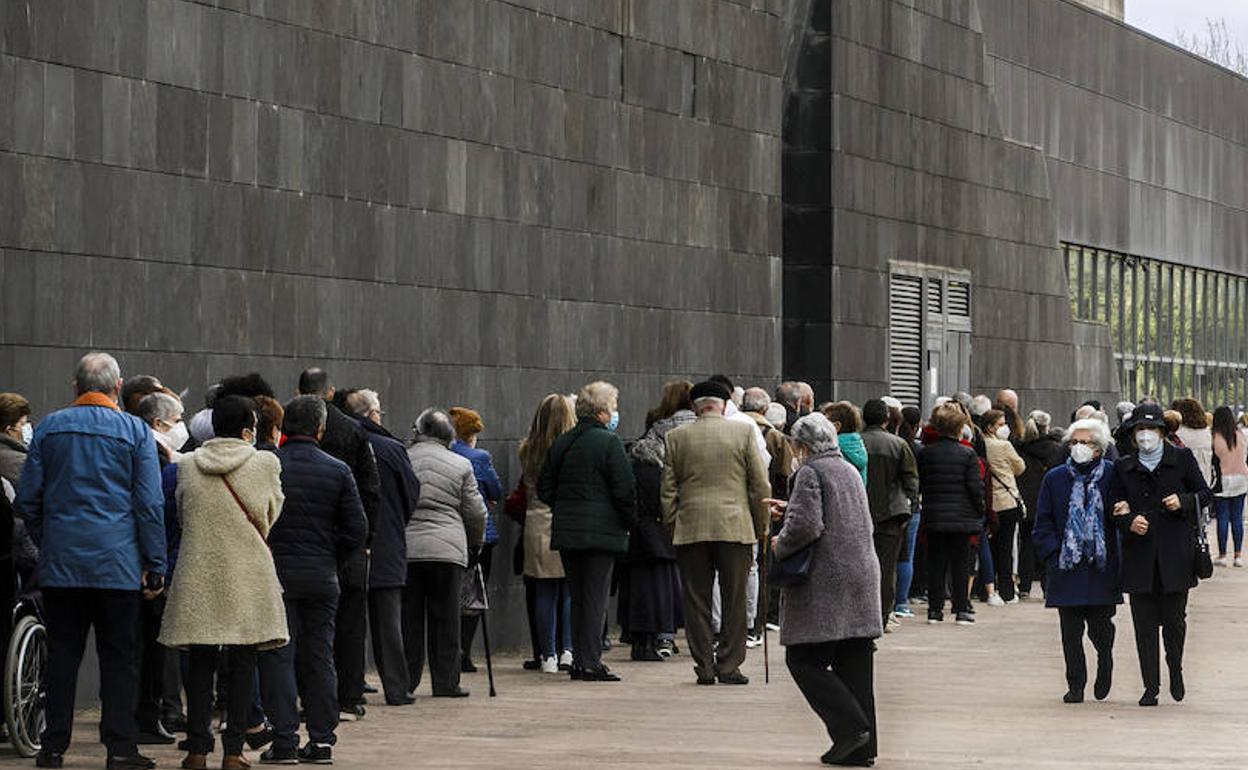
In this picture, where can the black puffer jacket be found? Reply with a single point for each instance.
(951, 487)
(1040, 454)
(322, 519)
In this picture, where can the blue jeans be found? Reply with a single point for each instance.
(1230, 512)
(552, 595)
(905, 569)
(987, 570)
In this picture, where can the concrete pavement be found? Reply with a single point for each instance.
(949, 697)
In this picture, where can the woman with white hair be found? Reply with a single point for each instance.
(1075, 538)
(829, 621)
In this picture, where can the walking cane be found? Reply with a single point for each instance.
(485, 635)
(762, 593)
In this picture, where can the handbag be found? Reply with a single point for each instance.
(794, 569)
(1202, 563)
(473, 600)
(1022, 507)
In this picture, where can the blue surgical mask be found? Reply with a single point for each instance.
(614, 422)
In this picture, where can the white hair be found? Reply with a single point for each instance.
(777, 415)
(1098, 429)
(891, 403)
(816, 432)
(701, 405)
(755, 400)
(980, 405)
(1042, 419)
(363, 401)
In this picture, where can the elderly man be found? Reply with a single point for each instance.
(789, 395)
(346, 440)
(1007, 397)
(90, 494)
(714, 484)
(388, 572)
(892, 493)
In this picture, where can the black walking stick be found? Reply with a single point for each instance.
(485, 633)
(762, 604)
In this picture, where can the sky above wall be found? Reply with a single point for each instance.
(1164, 18)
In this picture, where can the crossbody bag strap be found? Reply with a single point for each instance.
(1008, 491)
(243, 508)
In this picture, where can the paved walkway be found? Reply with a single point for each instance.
(949, 697)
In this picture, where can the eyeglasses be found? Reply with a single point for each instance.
(1083, 442)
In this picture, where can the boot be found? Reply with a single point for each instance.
(195, 762)
(644, 648)
(235, 762)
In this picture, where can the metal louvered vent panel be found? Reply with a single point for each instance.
(960, 299)
(905, 338)
(935, 296)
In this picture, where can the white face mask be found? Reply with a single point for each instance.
(178, 435)
(1082, 453)
(28, 434)
(1003, 432)
(1148, 440)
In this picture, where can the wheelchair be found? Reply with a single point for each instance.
(24, 665)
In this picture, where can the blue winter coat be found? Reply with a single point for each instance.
(488, 483)
(1084, 585)
(90, 494)
(400, 490)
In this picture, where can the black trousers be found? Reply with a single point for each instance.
(1003, 552)
(350, 629)
(302, 671)
(837, 679)
(1169, 613)
(888, 538)
(530, 609)
(385, 620)
(431, 618)
(69, 614)
(199, 698)
(1026, 556)
(948, 555)
(1100, 625)
(699, 563)
(589, 583)
(468, 623)
(151, 664)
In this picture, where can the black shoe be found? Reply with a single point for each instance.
(49, 759)
(259, 740)
(532, 665)
(1104, 678)
(606, 643)
(576, 674)
(174, 722)
(602, 674)
(1177, 690)
(155, 735)
(352, 713)
(275, 756)
(844, 748)
(1073, 696)
(935, 616)
(736, 677)
(132, 762)
(868, 762)
(184, 745)
(1149, 698)
(370, 690)
(646, 653)
(706, 680)
(458, 692)
(466, 666)
(314, 754)
(405, 700)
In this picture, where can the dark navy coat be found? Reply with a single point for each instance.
(322, 519)
(1085, 585)
(400, 489)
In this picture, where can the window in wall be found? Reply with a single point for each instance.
(1177, 330)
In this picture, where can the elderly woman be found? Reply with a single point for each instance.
(1157, 495)
(828, 622)
(1075, 539)
(588, 483)
(444, 534)
(953, 509)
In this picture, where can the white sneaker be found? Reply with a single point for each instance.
(550, 665)
(1239, 561)
(1013, 601)
(565, 659)
(1220, 561)
(773, 627)
(996, 601)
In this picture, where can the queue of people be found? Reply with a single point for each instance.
(305, 528)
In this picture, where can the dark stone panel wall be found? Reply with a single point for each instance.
(456, 201)
(1146, 144)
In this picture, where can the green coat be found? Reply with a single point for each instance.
(587, 481)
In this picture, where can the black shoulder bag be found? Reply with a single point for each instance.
(793, 570)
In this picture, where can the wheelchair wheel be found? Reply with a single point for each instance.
(23, 685)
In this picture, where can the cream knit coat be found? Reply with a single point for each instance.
(225, 589)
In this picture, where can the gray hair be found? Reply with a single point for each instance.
(708, 402)
(777, 415)
(159, 406)
(789, 393)
(304, 416)
(1043, 419)
(816, 432)
(1099, 430)
(435, 425)
(1124, 409)
(980, 405)
(97, 373)
(363, 401)
(596, 397)
(755, 400)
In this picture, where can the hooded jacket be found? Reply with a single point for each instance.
(225, 571)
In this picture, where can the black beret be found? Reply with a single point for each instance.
(709, 389)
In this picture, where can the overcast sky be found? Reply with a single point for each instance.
(1164, 18)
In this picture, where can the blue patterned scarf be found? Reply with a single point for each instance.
(1084, 539)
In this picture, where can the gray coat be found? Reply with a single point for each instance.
(449, 521)
(841, 599)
